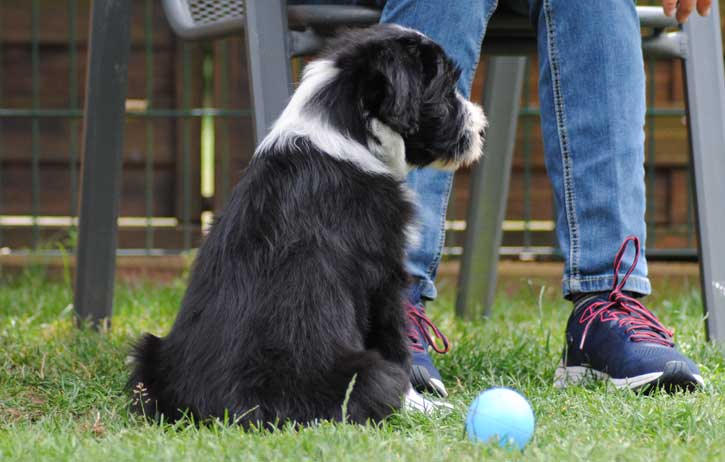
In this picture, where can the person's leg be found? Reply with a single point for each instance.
(592, 112)
(459, 27)
(593, 107)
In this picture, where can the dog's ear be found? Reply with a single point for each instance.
(392, 87)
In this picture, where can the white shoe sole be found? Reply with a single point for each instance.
(415, 402)
(575, 375)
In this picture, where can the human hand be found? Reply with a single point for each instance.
(685, 7)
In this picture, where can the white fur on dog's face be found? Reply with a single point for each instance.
(476, 124)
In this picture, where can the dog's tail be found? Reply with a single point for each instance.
(375, 387)
(147, 378)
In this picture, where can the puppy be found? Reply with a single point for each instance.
(295, 298)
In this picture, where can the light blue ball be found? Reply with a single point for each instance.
(503, 414)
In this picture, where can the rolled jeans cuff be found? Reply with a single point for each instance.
(584, 284)
(422, 289)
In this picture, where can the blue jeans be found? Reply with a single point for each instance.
(592, 96)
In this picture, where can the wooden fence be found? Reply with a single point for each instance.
(43, 46)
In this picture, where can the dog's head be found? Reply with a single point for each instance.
(402, 81)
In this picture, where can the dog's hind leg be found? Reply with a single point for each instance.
(376, 386)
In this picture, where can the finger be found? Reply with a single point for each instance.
(703, 7)
(669, 6)
(684, 10)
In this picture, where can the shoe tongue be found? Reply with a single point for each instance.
(583, 300)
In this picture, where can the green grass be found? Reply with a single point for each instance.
(61, 395)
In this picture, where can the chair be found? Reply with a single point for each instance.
(275, 32)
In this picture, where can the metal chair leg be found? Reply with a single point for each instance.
(103, 129)
(705, 80)
(268, 51)
(489, 188)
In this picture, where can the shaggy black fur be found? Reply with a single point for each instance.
(298, 286)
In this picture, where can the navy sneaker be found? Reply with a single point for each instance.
(423, 374)
(611, 336)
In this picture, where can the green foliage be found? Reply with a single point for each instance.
(61, 390)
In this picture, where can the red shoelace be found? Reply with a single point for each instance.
(627, 311)
(418, 319)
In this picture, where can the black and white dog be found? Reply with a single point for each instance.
(295, 297)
